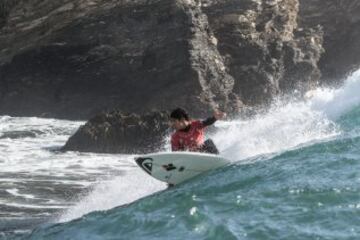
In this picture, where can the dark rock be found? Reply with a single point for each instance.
(5, 7)
(116, 132)
(69, 59)
(264, 50)
(340, 20)
(74, 59)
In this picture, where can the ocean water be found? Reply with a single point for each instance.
(295, 174)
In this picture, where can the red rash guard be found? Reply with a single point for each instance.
(192, 137)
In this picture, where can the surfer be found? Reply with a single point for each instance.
(189, 134)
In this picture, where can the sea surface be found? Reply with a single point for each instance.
(295, 174)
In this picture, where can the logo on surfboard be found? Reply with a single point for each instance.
(145, 163)
(169, 167)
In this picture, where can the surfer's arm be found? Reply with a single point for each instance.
(209, 121)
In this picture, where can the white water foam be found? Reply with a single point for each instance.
(27, 160)
(34, 154)
(336, 102)
(121, 190)
(284, 127)
(15, 192)
(288, 124)
(31, 154)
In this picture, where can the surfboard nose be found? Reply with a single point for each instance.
(145, 163)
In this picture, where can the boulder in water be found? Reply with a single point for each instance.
(117, 132)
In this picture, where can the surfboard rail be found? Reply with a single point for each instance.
(177, 167)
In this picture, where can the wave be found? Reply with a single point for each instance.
(121, 190)
(288, 124)
(337, 102)
(262, 200)
(285, 126)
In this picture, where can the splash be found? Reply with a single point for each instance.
(336, 102)
(289, 124)
(121, 190)
(285, 126)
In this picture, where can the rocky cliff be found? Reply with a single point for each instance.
(340, 20)
(73, 59)
(264, 50)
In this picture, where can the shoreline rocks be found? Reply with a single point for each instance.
(78, 59)
(116, 132)
(75, 59)
(340, 21)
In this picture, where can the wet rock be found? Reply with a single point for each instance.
(263, 48)
(340, 20)
(116, 132)
(75, 59)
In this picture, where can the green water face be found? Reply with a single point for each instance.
(312, 192)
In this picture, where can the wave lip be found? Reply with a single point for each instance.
(336, 102)
(288, 124)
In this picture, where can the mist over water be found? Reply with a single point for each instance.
(40, 184)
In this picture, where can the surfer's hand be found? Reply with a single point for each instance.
(219, 115)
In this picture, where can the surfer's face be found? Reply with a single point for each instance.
(179, 124)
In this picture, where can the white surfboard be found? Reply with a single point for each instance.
(177, 167)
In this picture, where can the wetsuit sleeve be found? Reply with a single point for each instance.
(175, 145)
(209, 121)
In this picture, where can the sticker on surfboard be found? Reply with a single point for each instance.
(177, 167)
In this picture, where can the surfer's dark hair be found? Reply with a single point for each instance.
(179, 114)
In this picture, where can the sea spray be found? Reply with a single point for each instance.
(288, 124)
(284, 126)
(134, 184)
(336, 102)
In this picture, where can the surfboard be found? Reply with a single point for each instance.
(177, 167)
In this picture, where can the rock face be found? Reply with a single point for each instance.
(73, 59)
(264, 50)
(340, 20)
(116, 132)
(76, 58)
